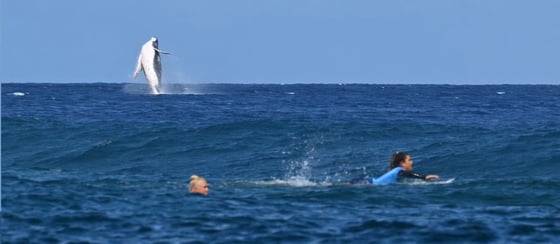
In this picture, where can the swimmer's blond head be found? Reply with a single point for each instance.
(198, 185)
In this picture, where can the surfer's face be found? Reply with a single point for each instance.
(407, 163)
(201, 187)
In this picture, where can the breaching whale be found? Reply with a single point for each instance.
(149, 61)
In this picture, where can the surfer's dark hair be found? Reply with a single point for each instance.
(397, 159)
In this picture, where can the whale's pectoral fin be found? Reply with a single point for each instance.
(138, 66)
(161, 51)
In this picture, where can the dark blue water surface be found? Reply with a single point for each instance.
(109, 163)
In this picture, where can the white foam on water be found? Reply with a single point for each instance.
(166, 89)
(181, 89)
(292, 182)
(298, 173)
(18, 94)
(431, 182)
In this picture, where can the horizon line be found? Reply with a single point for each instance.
(280, 83)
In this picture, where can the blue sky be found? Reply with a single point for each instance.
(284, 41)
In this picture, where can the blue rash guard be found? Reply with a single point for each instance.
(390, 177)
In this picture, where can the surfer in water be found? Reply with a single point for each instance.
(198, 185)
(399, 168)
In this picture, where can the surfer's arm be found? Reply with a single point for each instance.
(412, 175)
(429, 177)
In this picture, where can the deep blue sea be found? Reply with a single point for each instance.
(109, 163)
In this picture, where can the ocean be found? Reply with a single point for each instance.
(109, 163)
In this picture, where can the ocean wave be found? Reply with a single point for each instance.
(101, 163)
(329, 150)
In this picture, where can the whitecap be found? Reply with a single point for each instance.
(18, 94)
(431, 182)
(292, 182)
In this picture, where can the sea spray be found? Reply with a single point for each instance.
(299, 169)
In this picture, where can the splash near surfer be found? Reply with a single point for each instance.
(149, 61)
